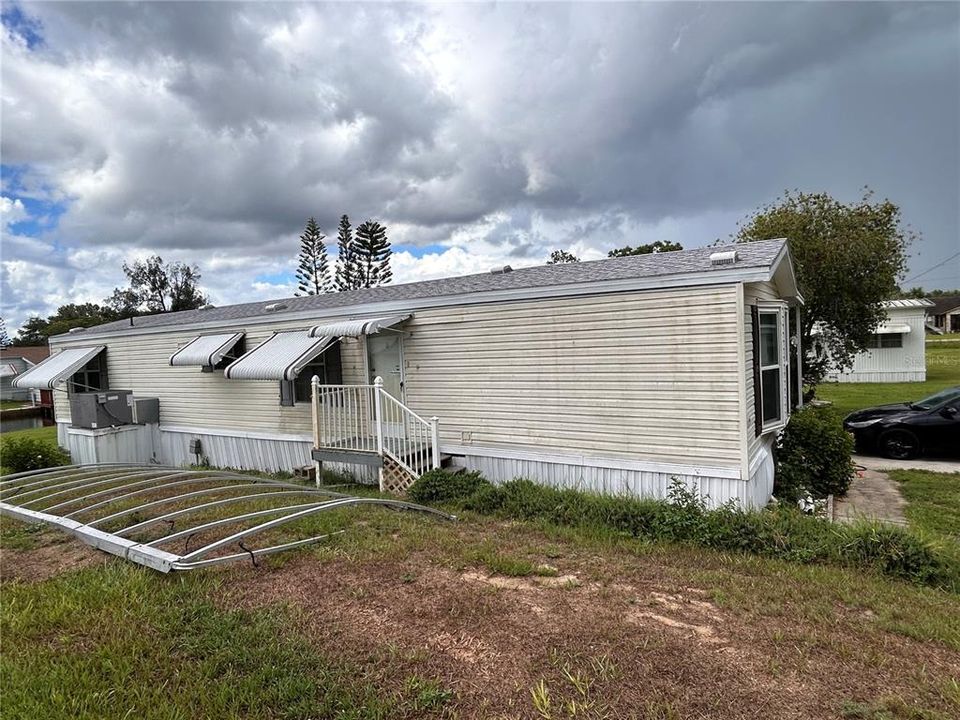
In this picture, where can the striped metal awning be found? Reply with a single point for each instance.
(57, 368)
(891, 328)
(356, 328)
(205, 350)
(280, 357)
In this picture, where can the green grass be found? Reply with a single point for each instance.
(13, 404)
(123, 641)
(48, 433)
(943, 371)
(933, 501)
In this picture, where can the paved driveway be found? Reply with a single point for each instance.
(878, 463)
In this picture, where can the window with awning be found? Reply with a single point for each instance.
(63, 366)
(356, 328)
(207, 351)
(283, 356)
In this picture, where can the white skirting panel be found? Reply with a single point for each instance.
(615, 481)
(762, 468)
(889, 376)
(130, 444)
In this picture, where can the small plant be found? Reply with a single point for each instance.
(813, 455)
(437, 486)
(540, 694)
(23, 454)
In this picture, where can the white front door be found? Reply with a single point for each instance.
(385, 359)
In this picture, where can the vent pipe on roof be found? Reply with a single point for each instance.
(275, 307)
(76, 330)
(728, 257)
(501, 270)
(208, 306)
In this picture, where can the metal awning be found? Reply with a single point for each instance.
(169, 518)
(7, 370)
(57, 368)
(280, 357)
(891, 328)
(356, 328)
(205, 350)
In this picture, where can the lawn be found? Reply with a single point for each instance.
(933, 501)
(13, 404)
(408, 617)
(943, 371)
(48, 433)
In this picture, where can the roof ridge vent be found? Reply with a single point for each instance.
(726, 257)
(76, 329)
(501, 270)
(208, 306)
(275, 307)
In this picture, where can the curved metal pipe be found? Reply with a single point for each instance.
(87, 480)
(59, 468)
(332, 505)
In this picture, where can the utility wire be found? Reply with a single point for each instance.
(911, 279)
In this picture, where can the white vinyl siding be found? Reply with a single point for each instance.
(906, 363)
(643, 375)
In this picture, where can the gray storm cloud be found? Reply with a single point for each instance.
(212, 130)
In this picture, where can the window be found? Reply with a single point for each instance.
(885, 340)
(90, 378)
(326, 367)
(770, 363)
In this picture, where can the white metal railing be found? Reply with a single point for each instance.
(367, 418)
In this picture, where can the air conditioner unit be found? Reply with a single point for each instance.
(107, 408)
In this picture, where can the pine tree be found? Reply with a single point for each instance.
(346, 269)
(373, 255)
(313, 274)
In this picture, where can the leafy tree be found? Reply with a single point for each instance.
(161, 287)
(4, 337)
(847, 260)
(915, 293)
(313, 273)
(372, 255)
(36, 329)
(346, 268)
(560, 257)
(124, 303)
(655, 247)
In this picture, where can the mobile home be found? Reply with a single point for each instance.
(897, 349)
(616, 375)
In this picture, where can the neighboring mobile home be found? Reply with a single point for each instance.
(15, 360)
(897, 350)
(615, 375)
(945, 313)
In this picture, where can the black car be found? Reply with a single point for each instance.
(905, 430)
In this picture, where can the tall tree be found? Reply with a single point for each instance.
(560, 257)
(847, 258)
(373, 255)
(36, 329)
(313, 273)
(161, 287)
(346, 268)
(655, 247)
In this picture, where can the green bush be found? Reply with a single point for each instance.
(783, 532)
(22, 454)
(437, 486)
(813, 455)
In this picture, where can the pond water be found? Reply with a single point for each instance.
(23, 423)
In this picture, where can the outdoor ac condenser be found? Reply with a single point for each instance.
(101, 409)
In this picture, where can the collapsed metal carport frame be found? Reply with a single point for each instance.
(77, 490)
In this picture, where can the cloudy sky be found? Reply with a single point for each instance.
(480, 134)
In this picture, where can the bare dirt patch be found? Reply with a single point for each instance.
(638, 641)
(51, 556)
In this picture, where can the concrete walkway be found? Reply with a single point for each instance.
(872, 496)
(878, 463)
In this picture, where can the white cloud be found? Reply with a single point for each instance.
(209, 132)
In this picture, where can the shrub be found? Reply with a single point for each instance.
(437, 486)
(22, 454)
(813, 455)
(783, 532)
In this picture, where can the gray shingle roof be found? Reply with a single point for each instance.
(750, 256)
